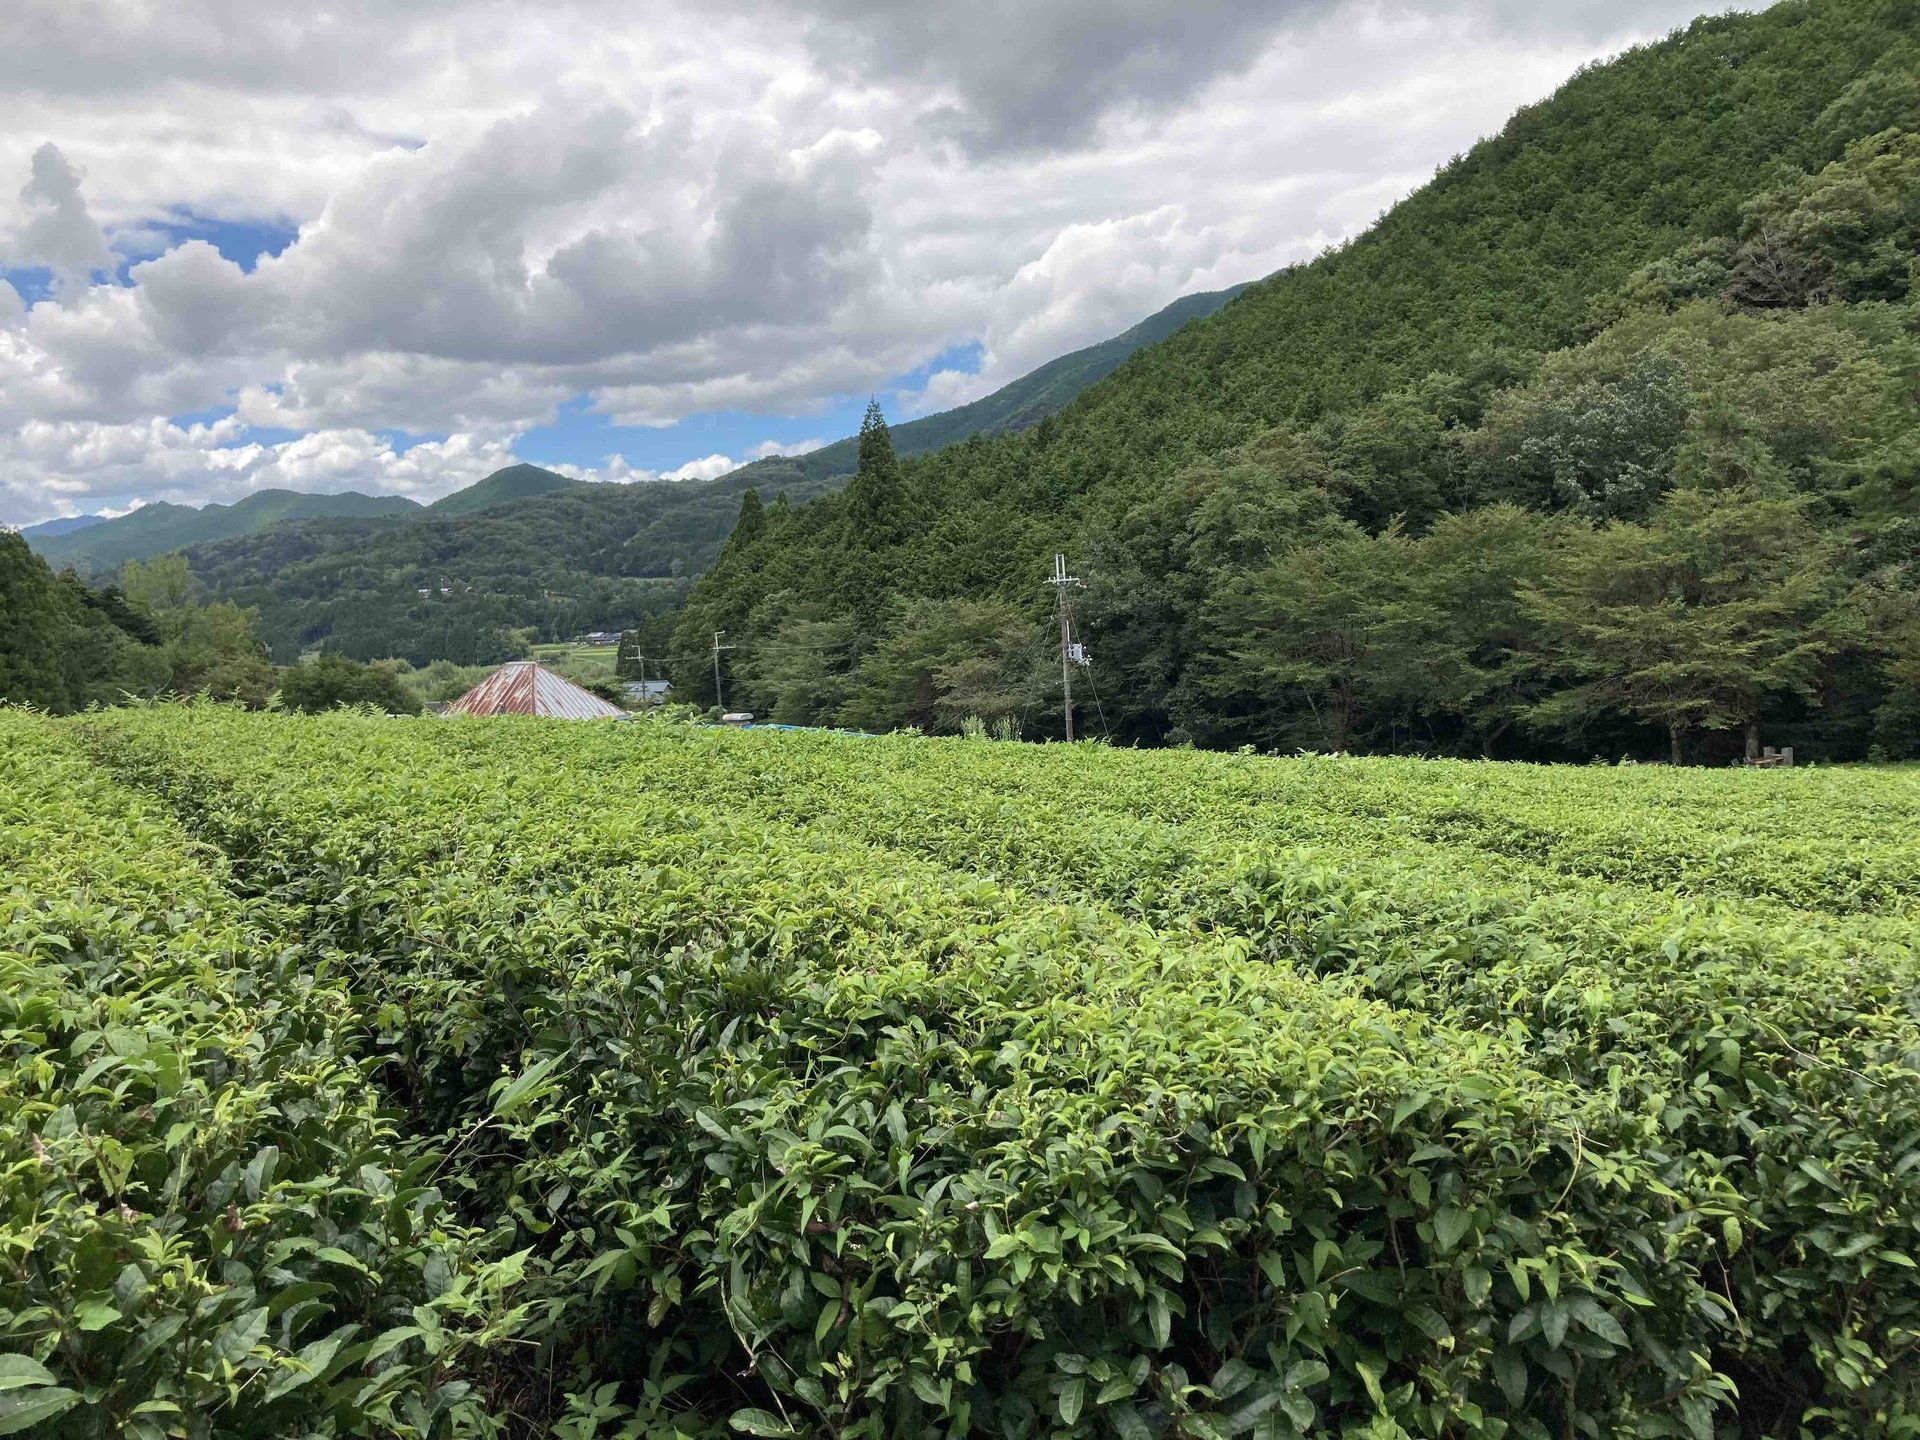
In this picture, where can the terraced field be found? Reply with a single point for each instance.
(515, 1077)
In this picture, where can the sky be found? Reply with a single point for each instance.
(393, 245)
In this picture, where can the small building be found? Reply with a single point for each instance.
(524, 687)
(599, 637)
(646, 692)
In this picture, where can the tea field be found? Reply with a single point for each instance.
(500, 1077)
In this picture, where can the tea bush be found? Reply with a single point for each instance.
(824, 1085)
(207, 1225)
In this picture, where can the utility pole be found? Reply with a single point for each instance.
(645, 698)
(1060, 580)
(717, 648)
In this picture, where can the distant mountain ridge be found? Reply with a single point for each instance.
(155, 529)
(1017, 405)
(98, 545)
(65, 525)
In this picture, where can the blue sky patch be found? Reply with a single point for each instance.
(242, 242)
(33, 283)
(582, 437)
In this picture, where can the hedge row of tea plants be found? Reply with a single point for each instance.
(1778, 1048)
(930, 1155)
(808, 1126)
(207, 1224)
(1821, 841)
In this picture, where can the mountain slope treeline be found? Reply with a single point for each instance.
(502, 487)
(529, 554)
(1604, 440)
(162, 527)
(462, 587)
(1020, 405)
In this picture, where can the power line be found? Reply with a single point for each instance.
(1086, 663)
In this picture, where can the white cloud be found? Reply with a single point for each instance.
(767, 449)
(617, 470)
(754, 209)
(73, 466)
(707, 467)
(53, 229)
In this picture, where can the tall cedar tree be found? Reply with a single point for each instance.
(876, 522)
(751, 523)
(877, 494)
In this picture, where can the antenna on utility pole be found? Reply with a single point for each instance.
(1070, 654)
(717, 648)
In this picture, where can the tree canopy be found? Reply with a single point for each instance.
(1595, 440)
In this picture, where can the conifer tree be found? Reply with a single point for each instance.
(38, 626)
(875, 525)
(63, 645)
(752, 521)
(876, 496)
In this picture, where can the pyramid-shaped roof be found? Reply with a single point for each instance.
(522, 687)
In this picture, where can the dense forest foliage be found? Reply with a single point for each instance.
(66, 645)
(153, 632)
(1603, 442)
(475, 588)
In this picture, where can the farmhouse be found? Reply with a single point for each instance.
(522, 687)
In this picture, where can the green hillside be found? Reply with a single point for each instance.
(1016, 406)
(158, 528)
(585, 557)
(614, 554)
(502, 487)
(1460, 483)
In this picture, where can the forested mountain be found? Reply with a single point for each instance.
(553, 556)
(502, 487)
(155, 529)
(158, 528)
(1605, 440)
(1016, 406)
(475, 588)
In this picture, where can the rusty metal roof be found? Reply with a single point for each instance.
(522, 687)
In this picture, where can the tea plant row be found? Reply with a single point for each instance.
(207, 1225)
(817, 1085)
